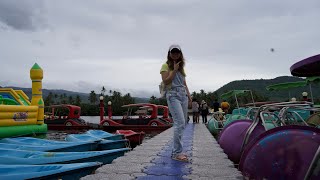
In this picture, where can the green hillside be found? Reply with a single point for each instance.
(259, 87)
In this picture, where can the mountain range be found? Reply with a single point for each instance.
(257, 85)
(83, 96)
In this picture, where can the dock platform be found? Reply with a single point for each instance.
(152, 159)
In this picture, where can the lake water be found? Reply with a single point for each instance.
(96, 119)
(60, 135)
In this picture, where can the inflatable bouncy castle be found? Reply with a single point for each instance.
(19, 116)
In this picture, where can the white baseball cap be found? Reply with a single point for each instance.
(174, 46)
(304, 94)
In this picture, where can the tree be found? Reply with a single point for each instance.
(93, 97)
(194, 94)
(78, 100)
(153, 100)
(116, 100)
(127, 99)
(64, 101)
(203, 95)
(103, 90)
(71, 101)
(61, 98)
(49, 99)
(158, 101)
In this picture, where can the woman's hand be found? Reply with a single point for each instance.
(189, 104)
(176, 65)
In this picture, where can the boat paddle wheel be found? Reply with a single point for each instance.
(289, 149)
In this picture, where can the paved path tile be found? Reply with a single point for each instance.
(152, 159)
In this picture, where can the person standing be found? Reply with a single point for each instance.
(177, 95)
(195, 110)
(216, 105)
(204, 111)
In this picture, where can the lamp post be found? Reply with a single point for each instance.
(101, 108)
(109, 109)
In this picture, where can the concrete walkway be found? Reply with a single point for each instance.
(152, 160)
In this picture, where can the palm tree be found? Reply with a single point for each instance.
(194, 94)
(202, 93)
(153, 97)
(153, 100)
(103, 90)
(93, 97)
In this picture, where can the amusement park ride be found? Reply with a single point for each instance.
(19, 116)
(278, 143)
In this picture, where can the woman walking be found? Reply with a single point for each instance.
(177, 95)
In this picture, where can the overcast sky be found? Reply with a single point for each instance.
(83, 45)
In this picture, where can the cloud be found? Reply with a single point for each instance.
(84, 45)
(22, 15)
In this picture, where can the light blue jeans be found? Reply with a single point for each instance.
(177, 100)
